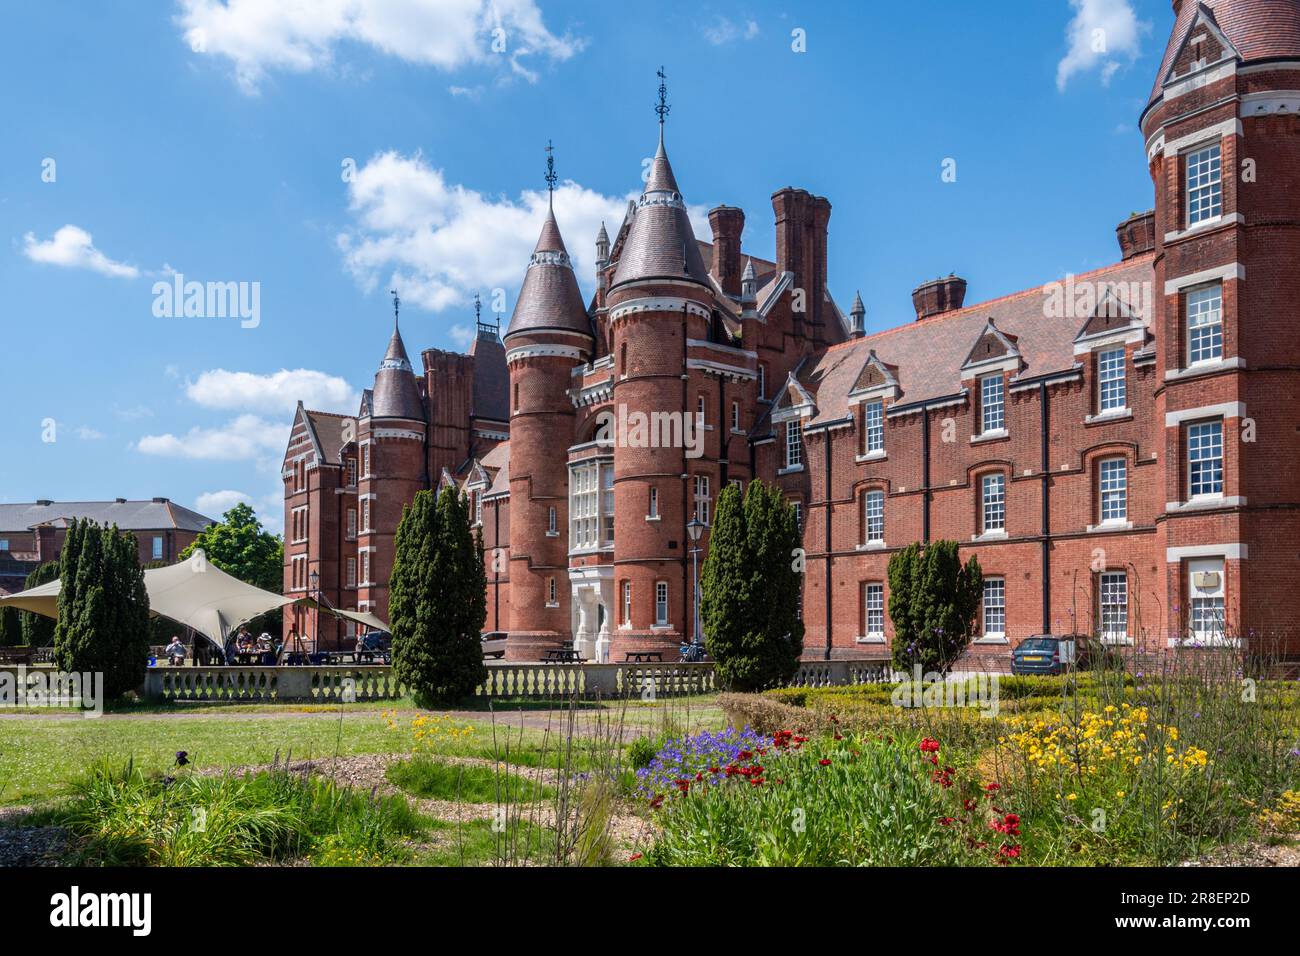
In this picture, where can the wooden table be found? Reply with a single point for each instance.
(644, 657)
(561, 655)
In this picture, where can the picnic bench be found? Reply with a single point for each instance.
(562, 655)
(643, 657)
(17, 655)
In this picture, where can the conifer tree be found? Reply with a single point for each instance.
(38, 630)
(750, 589)
(933, 602)
(103, 623)
(11, 627)
(438, 599)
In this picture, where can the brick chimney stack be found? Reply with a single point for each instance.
(801, 227)
(727, 223)
(1137, 234)
(938, 296)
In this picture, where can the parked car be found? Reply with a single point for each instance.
(494, 644)
(379, 642)
(1051, 654)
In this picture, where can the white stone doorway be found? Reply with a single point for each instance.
(593, 599)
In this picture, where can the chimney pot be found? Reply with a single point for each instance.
(727, 223)
(939, 296)
(1137, 234)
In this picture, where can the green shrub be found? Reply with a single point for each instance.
(425, 777)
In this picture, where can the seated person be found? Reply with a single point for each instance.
(176, 652)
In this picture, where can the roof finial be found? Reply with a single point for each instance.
(551, 178)
(662, 107)
(397, 304)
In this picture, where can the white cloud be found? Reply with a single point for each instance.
(438, 242)
(240, 439)
(215, 503)
(1104, 35)
(461, 336)
(276, 393)
(72, 247)
(303, 35)
(269, 508)
(722, 31)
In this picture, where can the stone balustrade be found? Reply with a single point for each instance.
(505, 680)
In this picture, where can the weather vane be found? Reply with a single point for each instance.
(662, 108)
(397, 304)
(551, 178)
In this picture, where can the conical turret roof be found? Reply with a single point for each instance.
(549, 297)
(661, 244)
(396, 394)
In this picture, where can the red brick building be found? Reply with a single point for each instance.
(1113, 446)
(32, 533)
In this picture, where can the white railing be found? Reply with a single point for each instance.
(505, 680)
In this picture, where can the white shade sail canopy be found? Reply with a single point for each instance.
(197, 594)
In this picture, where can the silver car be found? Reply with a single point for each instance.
(494, 644)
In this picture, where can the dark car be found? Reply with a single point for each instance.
(379, 643)
(494, 644)
(1049, 654)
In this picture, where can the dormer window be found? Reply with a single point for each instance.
(793, 443)
(1112, 392)
(992, 418)
(1204, 184)
(873, 423)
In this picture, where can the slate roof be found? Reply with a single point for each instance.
(549, 297)
(157, 515)
(397, 393)
(328, 430)
(928, 355)
(491, 377)
(1259, 29)
(660, 242)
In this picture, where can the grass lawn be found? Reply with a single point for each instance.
(41, 752)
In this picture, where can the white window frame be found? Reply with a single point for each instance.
(591, 506)
(552, 592)
(552, 521)
(873, 516)
(993, 416)
(365, 459)
(1204, 450)
(1112, 380)
(993, 609)
(794, 443)
(1112, 606)
(661, 604)
(1112, 490)
(873, 615)
(1204, 308)
(652, 506)
(702, 499)
(157, 547)
(798, 514)
(1203, 183)
(735, 416)
(627, 603)
(351, 570)
(873, 423)
(1205, 607)
(351, 523)
(351, 471)
(993, 502)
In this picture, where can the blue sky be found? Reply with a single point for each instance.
(328, 155)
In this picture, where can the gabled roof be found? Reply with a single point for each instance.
(992, 344)
(875, 374)
(928, 355)
(1256, 29)
(326, 430)
(160, 514)
(491, 377)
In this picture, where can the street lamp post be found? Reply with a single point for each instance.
(694, 528)
(315, 590)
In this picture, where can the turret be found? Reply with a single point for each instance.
(857, 317)
(549, 334)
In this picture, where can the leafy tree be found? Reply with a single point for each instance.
(437, 599)
(11, 626)
(933, 602)
(38, 630)
(750, 589)
(103, 623)
(238, 545)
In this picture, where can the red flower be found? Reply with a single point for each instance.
(947, 821)
(634, 857)
(839, 736)
(1008, 852)
(657, 802)
(744, 755)
(929, 746)
(968, 804)
(993, 788)
(824, 762)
